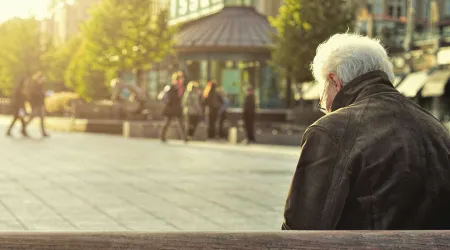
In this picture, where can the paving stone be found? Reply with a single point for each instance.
(91, 182)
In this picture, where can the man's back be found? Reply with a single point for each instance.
(397, 155)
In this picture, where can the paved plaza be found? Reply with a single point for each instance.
(91, 182)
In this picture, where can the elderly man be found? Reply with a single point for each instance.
(376, 160)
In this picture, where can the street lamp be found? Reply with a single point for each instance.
(410, 26)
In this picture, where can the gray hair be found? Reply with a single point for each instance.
(350, 56)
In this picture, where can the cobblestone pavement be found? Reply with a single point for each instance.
(87, 182)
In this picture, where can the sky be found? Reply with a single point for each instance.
(22, 8)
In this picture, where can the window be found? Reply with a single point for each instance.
(399, 11)
(173, 8)
(369, 8)
(193, 5)
(447, 8)
(427, 10)
(391, 11)
(377, 7)
(204, 3)
(233, 2)
(248, 2)
(182, 7)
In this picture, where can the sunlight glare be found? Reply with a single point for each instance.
(22, 8)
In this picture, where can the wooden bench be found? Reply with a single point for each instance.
(230, 240)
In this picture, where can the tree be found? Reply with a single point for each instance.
(82, 77)
(20, 51)
(301, 26)
(127, 35)
(57, 60)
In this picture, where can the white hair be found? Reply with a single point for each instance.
(350, 56)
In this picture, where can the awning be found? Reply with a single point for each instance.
(312, 93)
(412, 83)
(231, 29)
(435, 84)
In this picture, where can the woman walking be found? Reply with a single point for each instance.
(213, 101)
(223, 113)
(192, 107)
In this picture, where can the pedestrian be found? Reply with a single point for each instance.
(172, 110)
(213, 101)
(376, 160)
(17, 105)
(178, 78)
(36, 98)
(248, 115)
(192, 107)
(223, 113)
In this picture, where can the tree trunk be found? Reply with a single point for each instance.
(288, 91)
(139, 81)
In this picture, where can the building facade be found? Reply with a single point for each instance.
(228, 40)
(188, 10)
(64, 18)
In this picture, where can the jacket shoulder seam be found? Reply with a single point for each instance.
(323, 129)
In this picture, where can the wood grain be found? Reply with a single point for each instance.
(230, 240)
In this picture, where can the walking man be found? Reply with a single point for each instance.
(249, 115)
(18, 108)
(172, 110)
(36, 98)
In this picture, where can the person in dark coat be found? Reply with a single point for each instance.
(248, 115)
(18, 108)
(192, 107)
(223, 113)
(172, 110)
(36, 98)
(213, 101)
(376, 160)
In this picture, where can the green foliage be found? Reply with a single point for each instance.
(20, 51)
(301, 26)
(127, 35)
(82, 77)
(57, 60)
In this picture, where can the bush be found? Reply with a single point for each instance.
(60, 102)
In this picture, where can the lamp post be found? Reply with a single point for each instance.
(410, 26)
(433, 22)
(409, 36)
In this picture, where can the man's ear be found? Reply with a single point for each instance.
(335, 81)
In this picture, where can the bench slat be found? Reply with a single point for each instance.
(231, 240)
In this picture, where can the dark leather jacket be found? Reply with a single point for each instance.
(378, 161)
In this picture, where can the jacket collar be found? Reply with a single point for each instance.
(367, 84)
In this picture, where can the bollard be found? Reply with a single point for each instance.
(126, 128)
(233, 135)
